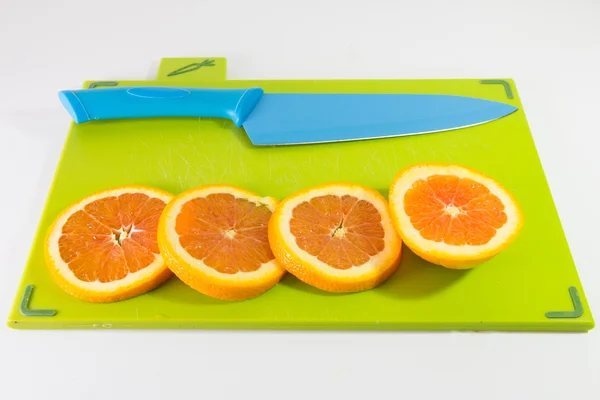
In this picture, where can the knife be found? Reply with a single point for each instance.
(290, 118)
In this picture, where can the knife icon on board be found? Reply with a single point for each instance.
(272, 119)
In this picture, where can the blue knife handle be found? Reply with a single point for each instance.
(144, 102)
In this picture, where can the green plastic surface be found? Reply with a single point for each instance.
(513, 291)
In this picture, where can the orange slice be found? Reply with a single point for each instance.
(337, 237)
(452, 215)
(214, 238)
(104, 247)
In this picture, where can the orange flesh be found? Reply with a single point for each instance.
(340, 231)
(228, 234)
(111, 237)
(456, 211)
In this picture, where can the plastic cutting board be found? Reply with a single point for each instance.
(533, 285)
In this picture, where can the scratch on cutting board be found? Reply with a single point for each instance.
(207, 159)
(132, 163)
(210, 164)
(228, 148)
(137, 314)
(242, 168)
(368, 165)
(380, 163)
(185, 160)
(202, 159)
(223, 174)
(227, 171)
(144, 143)
(480, 143)
(411, 147)
(393, 161)
(278, 179)
(456, 146)
(432, 151)
(270, 166)
(224, 124)
(192, 142)
(291, 178)
(164, 171)
(180, 183)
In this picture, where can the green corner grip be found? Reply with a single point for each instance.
(27, 312)
(105, 83)
(502, 82)
(576, 313)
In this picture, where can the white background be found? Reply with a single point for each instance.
(551, 48)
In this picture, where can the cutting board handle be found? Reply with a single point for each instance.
(146, 102)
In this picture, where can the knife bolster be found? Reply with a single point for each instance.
(245, 105)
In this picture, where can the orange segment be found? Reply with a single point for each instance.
(452, 215)
(214, 238)
(104, 247)
(337, 237)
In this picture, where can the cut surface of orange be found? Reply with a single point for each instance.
(337, 237)
(214, 238)
(104, 247)
(452, 215)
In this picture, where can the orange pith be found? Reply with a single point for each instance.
(104, 247)
(229, 234)
(214, 238)
(457, 211)
(337, 237)
(111, 237)
(452, 215)
(340, 231)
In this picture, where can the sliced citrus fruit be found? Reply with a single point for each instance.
(452, 215)
(214, 238)
(104, 247)
(337, 237)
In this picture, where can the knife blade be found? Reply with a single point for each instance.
(290, 118)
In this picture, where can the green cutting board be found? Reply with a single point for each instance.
(533, 285)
